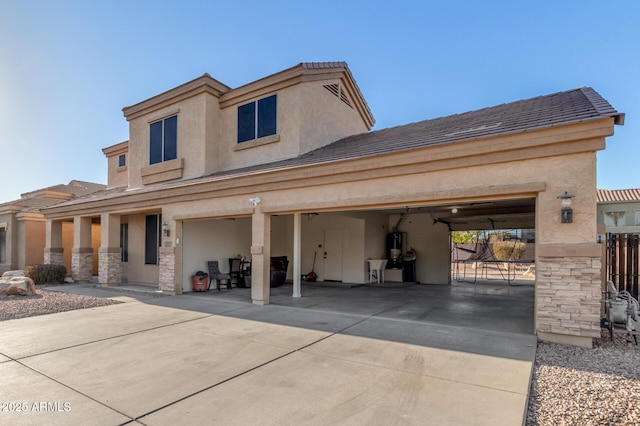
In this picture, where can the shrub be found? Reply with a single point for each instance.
(508, 250)
(46, 273)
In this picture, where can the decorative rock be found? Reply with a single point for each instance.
(15, 273)
(22, 286)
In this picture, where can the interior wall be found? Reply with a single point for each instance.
(206, 240)
(431, 243)
(353, 244)
(282, 238)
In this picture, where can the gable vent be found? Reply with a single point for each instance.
(336, 90)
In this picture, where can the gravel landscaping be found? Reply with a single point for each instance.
(570, 385)
(47, 302)
(581, 386)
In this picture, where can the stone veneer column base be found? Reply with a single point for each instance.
(54, 256)
(82, 264)
(167, 278)
(568, 293)
(109, 266)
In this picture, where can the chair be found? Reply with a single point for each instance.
(215, 274)
(376, 270)
(279, 266)
(235, 265)
(245, 273)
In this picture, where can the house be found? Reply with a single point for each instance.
(619, 210)
(287, 166)
(619, 223)
(22, 225)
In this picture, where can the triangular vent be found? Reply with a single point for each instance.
(336, 90)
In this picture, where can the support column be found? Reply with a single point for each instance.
(260, 257)
(297, 237)
(110, 253)
(166, 272)
(53, 250)
(82, 252)
(568, 293)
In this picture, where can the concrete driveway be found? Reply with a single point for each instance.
(208, 359)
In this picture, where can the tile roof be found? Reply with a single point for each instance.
(618, 195)
(573, 106)
(562, 108)
(35, 200)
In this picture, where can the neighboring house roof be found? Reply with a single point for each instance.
(45, 197)
(618, 195)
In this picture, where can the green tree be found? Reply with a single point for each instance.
(460, 237)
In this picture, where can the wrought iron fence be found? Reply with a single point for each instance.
(623, 261)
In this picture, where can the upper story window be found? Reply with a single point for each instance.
(257, 119)
(163, 143)
(122, 160)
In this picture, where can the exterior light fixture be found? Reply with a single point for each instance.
(566, 213)
(254, 201)
(454, 210)
(165, 229)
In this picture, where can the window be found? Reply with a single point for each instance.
(152, 239)
(124, 242)
(257, 119)
(163, 144)
(122, 160)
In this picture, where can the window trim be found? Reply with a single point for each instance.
(162, 154)
(257, 133)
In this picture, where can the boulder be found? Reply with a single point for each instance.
(22, 286)
(16, 273)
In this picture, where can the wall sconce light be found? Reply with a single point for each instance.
(566, 214)
(165, 229)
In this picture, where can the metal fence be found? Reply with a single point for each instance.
(623, 261)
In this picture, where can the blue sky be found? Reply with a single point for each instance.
(67, 68)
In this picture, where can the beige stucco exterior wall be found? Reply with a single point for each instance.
(137, 271)
(192, 138)
(117, 176)
(32, 232)
(308, 116)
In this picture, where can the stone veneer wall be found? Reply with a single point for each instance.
(167, 270)
(82, 264)
(109, 266)
(568, 293)
(54, 256)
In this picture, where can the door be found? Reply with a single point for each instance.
(333, 255)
